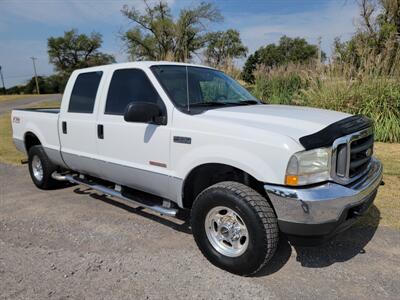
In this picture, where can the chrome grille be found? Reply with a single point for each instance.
(351, 156)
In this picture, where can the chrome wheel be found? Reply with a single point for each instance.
(226, 231)
(37, 168)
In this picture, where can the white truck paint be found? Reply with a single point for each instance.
(257, 141)
(250, 138)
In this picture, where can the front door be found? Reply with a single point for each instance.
(133, 154)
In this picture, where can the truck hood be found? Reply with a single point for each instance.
(291, 121)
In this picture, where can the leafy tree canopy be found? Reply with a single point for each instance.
(74, 51)
(288, 50)
(376, 45)
(223, 46)
(158, 36)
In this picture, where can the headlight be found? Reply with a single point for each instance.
(307, 167)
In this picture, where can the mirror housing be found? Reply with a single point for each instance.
(144, 112)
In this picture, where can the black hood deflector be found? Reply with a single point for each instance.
(326, 136)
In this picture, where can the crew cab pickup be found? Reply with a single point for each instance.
(174, 137)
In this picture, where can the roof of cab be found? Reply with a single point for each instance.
(138, 64)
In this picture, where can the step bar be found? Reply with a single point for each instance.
(113, 193)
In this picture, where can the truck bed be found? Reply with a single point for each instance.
(40, 122)
(51, 110)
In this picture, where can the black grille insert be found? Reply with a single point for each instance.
(360, 155)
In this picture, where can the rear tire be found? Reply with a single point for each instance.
(235, 227)
(41, 168)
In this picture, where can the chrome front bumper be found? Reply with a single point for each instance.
(320, 210)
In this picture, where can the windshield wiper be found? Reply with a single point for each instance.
(211, 103)
(243, 102)
(247, 102)
(216, 103)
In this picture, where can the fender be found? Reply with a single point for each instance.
(51, 147)
(241, 159)
(33, 129)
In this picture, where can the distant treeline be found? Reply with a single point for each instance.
(361, 76)
(52, 84)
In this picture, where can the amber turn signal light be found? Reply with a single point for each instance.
(291, 179)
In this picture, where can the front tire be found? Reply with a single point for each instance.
(235, 227)
(41, 168)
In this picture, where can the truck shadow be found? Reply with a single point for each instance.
(342, 248)
(180, 223)
(280, 258)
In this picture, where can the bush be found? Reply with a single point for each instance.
(278, 86)
(331, 87)
(375, 97)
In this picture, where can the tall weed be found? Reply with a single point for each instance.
(336, 87)
(375, 97)
(280, 85)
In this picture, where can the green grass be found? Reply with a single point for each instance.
(389, 155)
(386, 209)
(16, 97)
(387, 203)
(8, 152)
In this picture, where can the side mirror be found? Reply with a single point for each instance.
(144, 112)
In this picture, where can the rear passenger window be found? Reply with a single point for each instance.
(129, 85)
(84, 92)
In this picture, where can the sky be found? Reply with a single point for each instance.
(25, 26)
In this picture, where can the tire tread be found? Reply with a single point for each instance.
(48, 182)
(264, 211)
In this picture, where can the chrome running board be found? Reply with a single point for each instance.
(113, 193)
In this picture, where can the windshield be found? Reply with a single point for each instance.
(190, 87)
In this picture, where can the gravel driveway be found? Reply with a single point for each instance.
(74, 243)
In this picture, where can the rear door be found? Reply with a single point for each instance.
(77, 124)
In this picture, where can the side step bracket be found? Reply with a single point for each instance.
(111, 192)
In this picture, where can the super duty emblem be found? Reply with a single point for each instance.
(182, 140)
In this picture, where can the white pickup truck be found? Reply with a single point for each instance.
(172, 136)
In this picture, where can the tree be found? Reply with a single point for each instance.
(288, 50)
(223, 46)
(54, 84)
(250, 66)
(157, 36)
(74, 51)
(375, 47)
(30, 87)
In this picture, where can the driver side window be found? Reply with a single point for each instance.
(129, 85)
